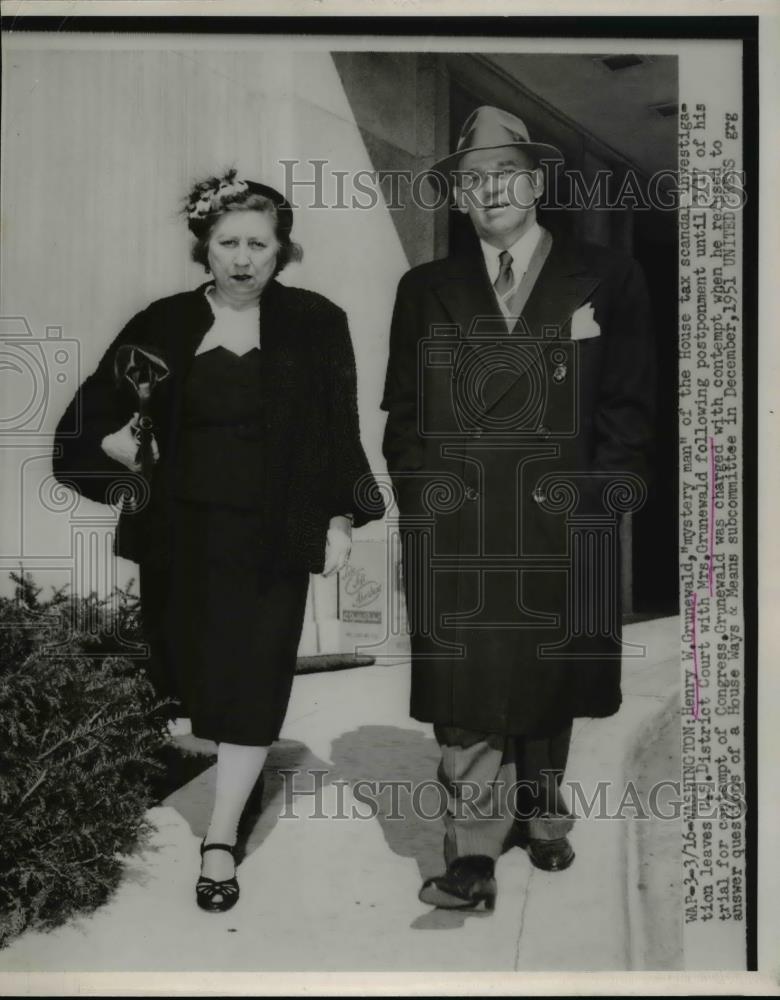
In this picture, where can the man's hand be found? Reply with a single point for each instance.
(122, 445)
(338, 545)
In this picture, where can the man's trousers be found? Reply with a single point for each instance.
(497, 785)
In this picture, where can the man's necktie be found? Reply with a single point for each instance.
(505, 281)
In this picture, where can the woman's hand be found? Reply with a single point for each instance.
(338, 545)
(122, 445)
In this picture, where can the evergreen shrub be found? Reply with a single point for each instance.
(81, 735)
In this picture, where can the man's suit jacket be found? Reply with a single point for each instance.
(511, 454)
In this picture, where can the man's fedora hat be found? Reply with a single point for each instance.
(492, 128)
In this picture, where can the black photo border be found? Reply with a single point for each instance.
(737, 28)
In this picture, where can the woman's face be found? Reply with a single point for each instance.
(242, 253)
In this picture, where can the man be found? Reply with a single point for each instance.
(519, 395)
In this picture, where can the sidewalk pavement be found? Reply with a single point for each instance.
(340, 894)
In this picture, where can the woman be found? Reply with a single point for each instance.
(257, 457)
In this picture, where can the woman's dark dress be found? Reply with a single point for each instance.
(232, 627)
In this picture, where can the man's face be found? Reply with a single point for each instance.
(498, 189)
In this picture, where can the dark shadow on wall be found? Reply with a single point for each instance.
(392, 98)
(651, 237)
(406, 105)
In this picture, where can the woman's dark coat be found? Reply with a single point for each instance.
(313, 457)
(481, 425)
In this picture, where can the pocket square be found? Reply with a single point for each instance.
(583, 323)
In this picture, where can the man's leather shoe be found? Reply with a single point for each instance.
(550, 855)
(468, 881)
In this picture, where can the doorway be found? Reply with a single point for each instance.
(651, 580)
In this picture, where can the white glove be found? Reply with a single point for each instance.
(337, 548)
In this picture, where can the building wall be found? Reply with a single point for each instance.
(101, 143)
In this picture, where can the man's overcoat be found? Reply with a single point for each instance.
(512, 454)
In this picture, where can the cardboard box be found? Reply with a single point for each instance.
(371, 608)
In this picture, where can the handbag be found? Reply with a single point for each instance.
(143, 371)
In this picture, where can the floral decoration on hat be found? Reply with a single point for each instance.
(209, 196)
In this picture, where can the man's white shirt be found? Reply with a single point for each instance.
(521, 252)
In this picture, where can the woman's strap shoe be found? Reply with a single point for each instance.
(468, 881)
(217, 895)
